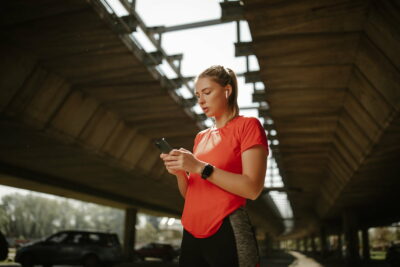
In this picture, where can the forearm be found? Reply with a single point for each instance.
(182, 181)
(237, 184)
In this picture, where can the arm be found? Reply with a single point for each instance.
(181, 176)
(249, 184)
(182, 180)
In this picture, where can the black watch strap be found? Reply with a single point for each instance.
(207, 171)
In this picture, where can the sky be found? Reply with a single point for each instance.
(201, 48)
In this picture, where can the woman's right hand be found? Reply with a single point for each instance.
(171, 171)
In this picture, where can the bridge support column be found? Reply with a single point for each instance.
(313, 246)
(268, 244)
(365, 242)
(323, 242)
(129, 233)
(351, 238)
(298, 246)
(276, 245)
(340, 244)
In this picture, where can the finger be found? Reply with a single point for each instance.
(173, 165)
(175, 152)
(169, 158)
(184, 150)
(177, 168)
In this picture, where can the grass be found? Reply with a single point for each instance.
(378, 255)
(10, 261)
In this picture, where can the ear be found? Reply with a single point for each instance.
(228, 89)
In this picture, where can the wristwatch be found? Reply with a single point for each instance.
(207, 171)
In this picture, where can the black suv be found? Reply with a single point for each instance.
(156, 250)
(73, 248)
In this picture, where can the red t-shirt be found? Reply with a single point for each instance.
(206, 204)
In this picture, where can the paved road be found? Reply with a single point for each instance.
(276, 259)
(302, 260)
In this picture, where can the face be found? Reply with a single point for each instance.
(211, 97)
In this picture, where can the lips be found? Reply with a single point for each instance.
(205, 110)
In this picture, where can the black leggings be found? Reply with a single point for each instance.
(233, 245)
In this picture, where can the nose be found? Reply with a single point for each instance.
(201, 100)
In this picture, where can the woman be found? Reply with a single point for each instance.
(227, 167)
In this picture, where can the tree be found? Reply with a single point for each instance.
(32, 217)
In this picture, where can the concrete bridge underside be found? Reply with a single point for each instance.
(80, 108)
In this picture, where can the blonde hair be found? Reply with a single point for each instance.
(224, 76)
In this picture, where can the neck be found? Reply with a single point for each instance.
(222, 120)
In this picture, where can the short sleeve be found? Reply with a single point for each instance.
(252, 134)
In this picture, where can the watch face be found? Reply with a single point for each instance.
(207, 171)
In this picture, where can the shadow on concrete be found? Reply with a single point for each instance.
(275, 259)
(149, 264)
(336, 260)
(278, 258)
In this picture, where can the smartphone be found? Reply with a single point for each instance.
(163, 145)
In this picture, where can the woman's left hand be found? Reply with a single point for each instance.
(184, 160)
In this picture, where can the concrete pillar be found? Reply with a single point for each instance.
(340, 244)
(298, 245)
(365, 242)
(351, 238)
(277, 245)
(305, 247)
(268, 244)
(323, 242)
(313, 246)
(129, 233)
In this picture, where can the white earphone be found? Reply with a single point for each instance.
(226, 93)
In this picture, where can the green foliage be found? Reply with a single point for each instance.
(146, 235)
(32, 217)
(377, 255)
(382, 237)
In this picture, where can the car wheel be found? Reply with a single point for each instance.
(27, 261)
(91, 261)
(167, 258)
